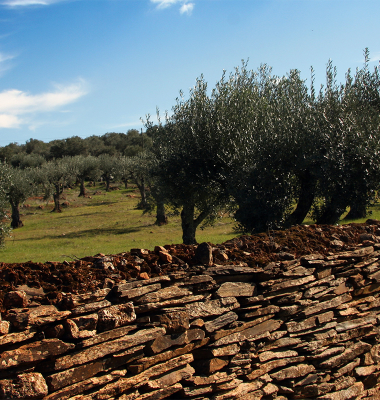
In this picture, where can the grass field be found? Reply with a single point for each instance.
(107, 223)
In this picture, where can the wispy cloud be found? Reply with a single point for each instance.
(4, 62)
(185, 6)
(23, 3)
(376, 57)
(16, 105)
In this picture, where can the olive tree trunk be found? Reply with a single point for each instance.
(57, 198)
(161, 218)
(305, 200)
(82, 189)
(189, 223)
(16, 220)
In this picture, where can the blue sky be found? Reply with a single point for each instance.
(87, 67)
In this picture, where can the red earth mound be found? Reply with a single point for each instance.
(46, 281)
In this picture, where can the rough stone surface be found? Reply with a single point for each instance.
(294, 316)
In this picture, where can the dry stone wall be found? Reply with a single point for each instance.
(304, 328)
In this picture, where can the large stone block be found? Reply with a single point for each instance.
(27, 386)
(115, 316)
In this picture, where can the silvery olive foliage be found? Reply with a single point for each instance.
(54, 176)
(271, 148)
(5, 175)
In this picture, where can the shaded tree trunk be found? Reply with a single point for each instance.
(108, 183)
(331, 213)
(189, 224)
(16, 220)
(57, 197)
(82, 189)
(161, 218)
(305, 200)
(143, 204)
(357, 210)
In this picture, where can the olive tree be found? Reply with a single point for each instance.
(85, 167)
(109, 168)
(187, 169)
(350, 121)
(5, 175)
(54, 176)
(19, 185)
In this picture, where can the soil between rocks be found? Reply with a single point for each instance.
(45, 281)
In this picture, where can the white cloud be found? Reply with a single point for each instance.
(5, 57)
(4, 62)
(164, 3)
(9, 121)
(16, 104)
(186, 8)
(376, 57)
(22, 3)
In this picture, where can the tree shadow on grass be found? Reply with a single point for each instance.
(87, 233)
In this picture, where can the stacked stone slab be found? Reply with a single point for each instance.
(304, 328)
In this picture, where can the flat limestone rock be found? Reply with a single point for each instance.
(175, 321)
(261, 311)
(356, 323)
(101, 350)
(139, 283)
(161, 393)
(33, 352)
(165, 341)
(203, 380)
(282, 342)
(73, 300)
(171, 378)
(115, 316)
(290, 283)
(146, 362)
(132, 293)
(167, 303)
(124, 384)
(252, 333)
(80, 387)
(346, 369)
(163, 294)
(270, 355)
(91, 307)
(314, 309)
(86, 371)
(25, 386)
(211, 307)
(295, 326)
(236, 289)
(17, 337)
(105, 336)
(221, 321)
(196, 280)
(295, 371)
(270, 365)
(241, 391)
(22, 318)
(221, 332)
(349, 354)
(360, 253)
(351, 393)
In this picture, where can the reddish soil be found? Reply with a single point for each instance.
(99, 271)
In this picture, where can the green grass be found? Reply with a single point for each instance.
(106, 223)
